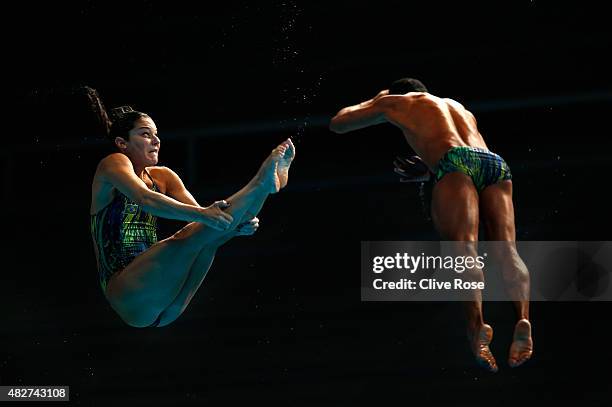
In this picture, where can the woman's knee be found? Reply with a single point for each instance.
(131, 309)
(138, 318)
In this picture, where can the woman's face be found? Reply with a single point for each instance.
(143, 145)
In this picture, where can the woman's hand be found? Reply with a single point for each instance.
(247, 228)
(214, 216)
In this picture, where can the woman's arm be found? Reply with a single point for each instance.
(117, 170)
(177, 190)
(175, 187)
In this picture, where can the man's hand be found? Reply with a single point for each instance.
(248, 228)
(411, 169)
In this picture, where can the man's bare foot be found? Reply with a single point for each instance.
(480, 347)
(522, 344)
(282, 170)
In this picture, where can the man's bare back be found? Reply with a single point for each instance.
(432, 125)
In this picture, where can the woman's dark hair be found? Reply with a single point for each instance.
(405, 85)
(116, 123)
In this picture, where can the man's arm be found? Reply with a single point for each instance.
(364, 114)
(117, 170)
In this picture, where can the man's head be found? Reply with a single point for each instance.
(135, 134)
(406, 85)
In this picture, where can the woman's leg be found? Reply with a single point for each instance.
(205, 258)
(148, 285)
(194, 280)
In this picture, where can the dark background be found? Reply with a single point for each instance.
(279, 317)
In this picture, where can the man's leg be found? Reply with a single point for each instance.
(455, 215)
(148, 285)
(498, 217)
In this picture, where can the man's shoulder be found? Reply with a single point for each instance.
(458, 106)
(414, 98)
(454, 103)
(404, 100)
(408, 101)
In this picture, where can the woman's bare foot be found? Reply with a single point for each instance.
(282, 170)
(522, 344)
(274, 172)
(480, 347)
